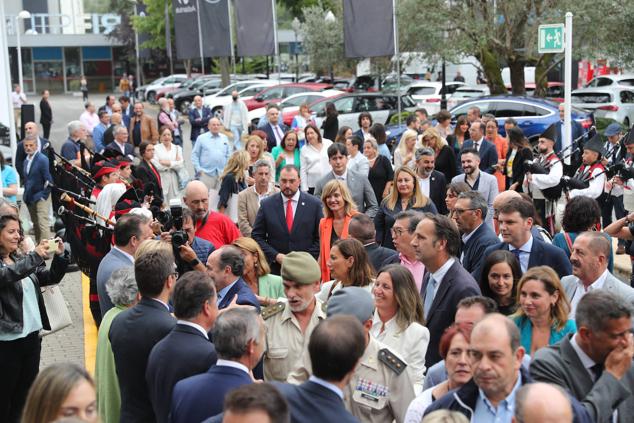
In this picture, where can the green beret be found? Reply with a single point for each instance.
(300, 267)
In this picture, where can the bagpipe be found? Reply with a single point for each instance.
(533, 166)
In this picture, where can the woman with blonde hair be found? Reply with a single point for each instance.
(398, 319)
(232, 181)
(339, 207)
(256, 147)
(349, 266)
(543, 313)
(445, 161)
(406, 194)
(267, 287)
(61, 390)
(404, 153)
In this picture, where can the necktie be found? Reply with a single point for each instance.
(477, 146)
(278, 133)
(429, 295)
(289, 215)
(516, 252)
(597, 371)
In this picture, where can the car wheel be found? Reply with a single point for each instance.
(184, 108)
(218, 112)
(626, 123)
(151, 97)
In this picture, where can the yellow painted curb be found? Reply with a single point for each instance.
(90, 328)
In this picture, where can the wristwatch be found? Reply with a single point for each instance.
(195, 262)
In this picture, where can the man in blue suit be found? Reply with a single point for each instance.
(129, 232)
(516, 220)
(486, 150)
(199, 116)
(186, 351)
(335, 347)
(36, 192)
(274, 129)
(288, 221)
(239, 337)
(226, 266)
(30, 128)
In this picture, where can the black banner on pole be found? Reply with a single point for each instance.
(368, 28)
(186, 29)
(214, 24)
(255, 27)
(144, 53)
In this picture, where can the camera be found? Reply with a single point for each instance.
(173, 219)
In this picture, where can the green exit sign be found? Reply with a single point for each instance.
(551, 38)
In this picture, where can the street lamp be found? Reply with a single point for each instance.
(24, 14)
(330, 19)
(296, 24)
(136, 49)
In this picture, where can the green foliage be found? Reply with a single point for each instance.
(153, 23)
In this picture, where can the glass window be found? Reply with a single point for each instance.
(591, 98)
(422, 91)
(49, 76)
(626, 97)
(603, 82)
(271, 94)
(365, 104)
(536, 111)
(628, 82)
(294, 90)
(461, 110)
(344, 105)
(504, 109)
(249, 92)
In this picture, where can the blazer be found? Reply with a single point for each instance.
(456, 285)
(199, 126)
(325, 240)
(271, 141)
(244, 293)
(145, 175)
(272, 235)
(198, 397)
(128, 149)
(112, 261)
(488, 187)
(542, 254)
(380, 256)
(446, 163)
(488, 154)
(35, 180)
(46, 113)
(518, 166)
(132, 335)
(560, 364)
(248, 206)
(149, 131)
(360, 189)
(184, 352)
(482, 238)
(438, 191)
(612, 284)
(313, 403)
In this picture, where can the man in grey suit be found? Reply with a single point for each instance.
(484, 183)
(589, 259)
(129, 231)
(595, 364)
(358, 184)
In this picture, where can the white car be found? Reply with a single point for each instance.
(246, 89)
(612, 102)
(428, 94)
(465, 93)
(169, 81)
(291, 103)
(609, 80)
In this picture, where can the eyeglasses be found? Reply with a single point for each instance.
(175, 274)
(460, 211)
(398, 232)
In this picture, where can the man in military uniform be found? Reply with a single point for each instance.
(289, 324)
(591, 171)
(380, 389)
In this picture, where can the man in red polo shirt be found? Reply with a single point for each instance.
(210, 225)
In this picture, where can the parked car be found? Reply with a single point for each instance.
(382, 106)
(277, 93)
(149, 93)
(428, 94)
(184, 98)
(466, 93)
(169, 89)
(217, 102)
(533, 115)
(290, 105)
(612, 102)
(609, 80)
(369, 83)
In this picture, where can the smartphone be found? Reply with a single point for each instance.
(52, 245)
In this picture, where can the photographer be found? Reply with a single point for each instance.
(193, 253)
(22, 311)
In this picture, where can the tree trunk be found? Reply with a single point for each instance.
(492, 72)
(225, 66)
(518, 84)
(541, 74)
(188, 67)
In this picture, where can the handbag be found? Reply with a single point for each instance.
(231, 210)
(56, 309)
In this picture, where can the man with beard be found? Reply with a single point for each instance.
(288, 221)
(485, 184)
(543, 186)
(142, 127)
(432, 183)
(289, 324)
(591, 171)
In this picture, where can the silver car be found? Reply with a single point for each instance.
(612, 102)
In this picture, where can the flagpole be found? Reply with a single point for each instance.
(398, 60)
(233, 56)
(168, 37)
(200, 38)
(277, 47)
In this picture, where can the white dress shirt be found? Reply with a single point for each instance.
(581, 291)
(525, 253)
(294, 199)
(195, 326)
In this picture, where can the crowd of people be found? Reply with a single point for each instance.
(450, 277)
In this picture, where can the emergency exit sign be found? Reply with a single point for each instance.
(551, 38)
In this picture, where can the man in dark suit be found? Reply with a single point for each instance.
(46, 114)
(186, 351)
(120, 144)
(126, 110)
(129, 232)
(30, 128)
(486, 150)
(136, 330)
(288, 221)
(437, 244)
(36, 192)
(338, 339)
(357, 183)
(515, 218)
(469, 212)
(226, 266)
(274, 129)
(199, 116)
(432, 183)
(362, 229)
(239, 337)
(595, 364)
(250, 402)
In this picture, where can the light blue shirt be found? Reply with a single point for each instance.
(503, 413)
(223, 292)
(9, 177)
(97, 136)
(327, 385)
(525, 253)
(211, 153)
(31, 318)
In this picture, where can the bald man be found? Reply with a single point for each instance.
(209, 225)
(115, 120)
(542, 403)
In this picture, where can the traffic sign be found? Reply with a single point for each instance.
(551, 38)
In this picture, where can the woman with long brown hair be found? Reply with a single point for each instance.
(349, 266)
(519, 151)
